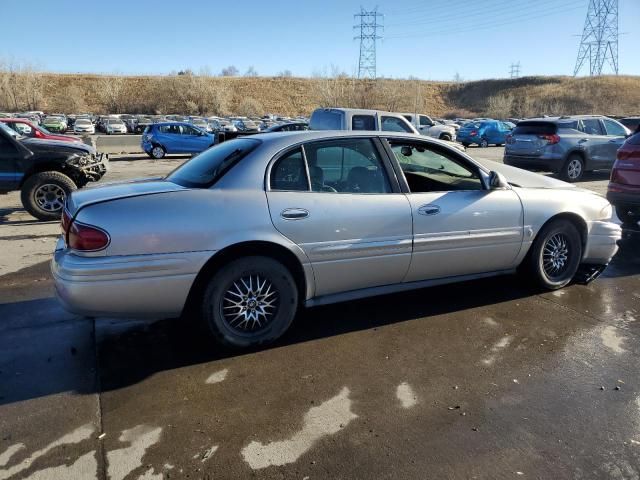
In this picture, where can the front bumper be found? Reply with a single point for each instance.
(154, 285)
(602, 242)
(95, 170)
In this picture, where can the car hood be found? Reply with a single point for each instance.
(42, 146)
(105, 192)
(523, 178)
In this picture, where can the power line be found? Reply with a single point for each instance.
(514, 70)
(490, 24)
(368, 38)
(599, 41)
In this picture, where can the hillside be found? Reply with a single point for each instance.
(192, 94)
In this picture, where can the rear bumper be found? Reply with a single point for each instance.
(129, 286)
(547, 164)
(628, 198)
(602, 242)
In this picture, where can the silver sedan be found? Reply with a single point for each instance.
(254, 228)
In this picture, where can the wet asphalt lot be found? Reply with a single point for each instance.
(488, 379)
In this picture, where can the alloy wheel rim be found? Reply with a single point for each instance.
(574, 168)
(555, 255)
(50, 197)
(157, 152)
(250, 304)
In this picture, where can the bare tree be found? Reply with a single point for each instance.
(249, 107)
(230, 71)
(500, 106)
(110, 90)
(284, 74)
(251, 72)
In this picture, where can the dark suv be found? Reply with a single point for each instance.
(568, 145)
(46, 171)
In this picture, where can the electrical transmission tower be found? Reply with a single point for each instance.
(515, 70)
(368, 37)
(599, 41)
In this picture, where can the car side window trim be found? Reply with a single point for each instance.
(389, 169)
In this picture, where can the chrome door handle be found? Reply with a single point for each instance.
(429, 210)
(294, 213)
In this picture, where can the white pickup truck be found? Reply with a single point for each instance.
(426, 126)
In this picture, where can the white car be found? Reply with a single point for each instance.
(84, 126)
(115, 125)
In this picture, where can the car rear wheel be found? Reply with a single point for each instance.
(555, 255)
(158, 152)
(573, 169)
(250, 301)
(43, 194)
(627, 216)
(446, 137)
(484, 143)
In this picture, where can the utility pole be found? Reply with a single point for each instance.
(515, 70)
(599, 40)
(368, 37)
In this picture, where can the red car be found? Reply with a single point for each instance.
(624, 186)
(28, 129)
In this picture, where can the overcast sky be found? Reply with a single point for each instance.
(429, 39)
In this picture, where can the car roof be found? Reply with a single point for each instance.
(159, 124)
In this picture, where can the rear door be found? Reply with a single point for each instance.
(337, 200)
(459, 227)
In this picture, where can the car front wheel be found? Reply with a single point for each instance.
(555, 255)
(484, 143)
(249, 302)
(43, 194)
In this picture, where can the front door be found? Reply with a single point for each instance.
(193, 140)
(335, 200)
(616, 136)
(9, 175)
(460, 228)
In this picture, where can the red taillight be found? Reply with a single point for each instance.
(65, 223)
(551, 139)
(473, 133)
(86, 238)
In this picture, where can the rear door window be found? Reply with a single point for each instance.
(363, 122)
(350, 165)
(592, 126)
(289, 173)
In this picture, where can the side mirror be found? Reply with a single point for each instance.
(497, 181)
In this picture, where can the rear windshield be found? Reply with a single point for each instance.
(535, 128)
(325, 120)
(207, 168)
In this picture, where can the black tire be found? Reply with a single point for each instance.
(446, 137)
(484, 143)
(43, 202)
(465, 144)
(222, 291)
(627, 216)
(156, 152)
(573, 168)
(541, 273)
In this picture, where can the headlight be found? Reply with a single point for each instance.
(606, 213)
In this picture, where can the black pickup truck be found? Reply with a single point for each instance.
(46, 171)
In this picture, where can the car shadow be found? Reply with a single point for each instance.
(46, 351)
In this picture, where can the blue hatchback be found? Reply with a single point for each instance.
(484, 133)
(159, 139)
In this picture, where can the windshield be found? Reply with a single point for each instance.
(83, 122)
(115, 122)
(52, 120)
(207, 168)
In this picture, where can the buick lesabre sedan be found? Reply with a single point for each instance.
(251, 229)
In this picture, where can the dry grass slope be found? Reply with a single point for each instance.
(525, 96)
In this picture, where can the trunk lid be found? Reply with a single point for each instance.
(113, 191)
(530, 138)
